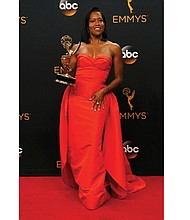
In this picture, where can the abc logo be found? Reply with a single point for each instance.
(130, 149)
(69, 9)
(20, 151)
(129, 55)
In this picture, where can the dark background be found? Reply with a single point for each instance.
(42, 24)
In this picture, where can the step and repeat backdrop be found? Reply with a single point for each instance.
(137, 26)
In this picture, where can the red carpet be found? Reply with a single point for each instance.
(47, 198)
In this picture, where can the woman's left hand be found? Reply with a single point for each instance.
(98, 98)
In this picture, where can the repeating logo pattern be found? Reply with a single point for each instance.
(130, 17)
(130, 95)
(130, 149)
(130, 55)
(23, 19)
(130, 6)
(68, 8)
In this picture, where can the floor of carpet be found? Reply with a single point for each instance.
(48, 198)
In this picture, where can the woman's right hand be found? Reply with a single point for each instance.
(65, 60)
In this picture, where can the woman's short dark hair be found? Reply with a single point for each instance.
(85, 32)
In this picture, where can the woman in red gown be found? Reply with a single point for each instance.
(92, 155)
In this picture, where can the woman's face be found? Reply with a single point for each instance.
(96, 24)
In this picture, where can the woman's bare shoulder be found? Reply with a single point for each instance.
(114, 47)
(79, 46)
(76, 45)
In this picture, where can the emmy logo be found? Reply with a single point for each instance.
(130, 96)
(129, 6)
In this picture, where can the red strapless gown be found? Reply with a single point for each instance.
(92, 154)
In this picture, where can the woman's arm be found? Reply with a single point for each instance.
(98, 97)
(118, 69)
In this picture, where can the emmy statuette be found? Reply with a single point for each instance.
(65, 78)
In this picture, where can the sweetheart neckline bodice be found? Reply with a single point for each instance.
(96, 57)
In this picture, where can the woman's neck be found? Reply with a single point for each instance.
(95, 40)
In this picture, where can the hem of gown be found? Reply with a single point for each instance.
(111, 189)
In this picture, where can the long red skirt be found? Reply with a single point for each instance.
(92, 155)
